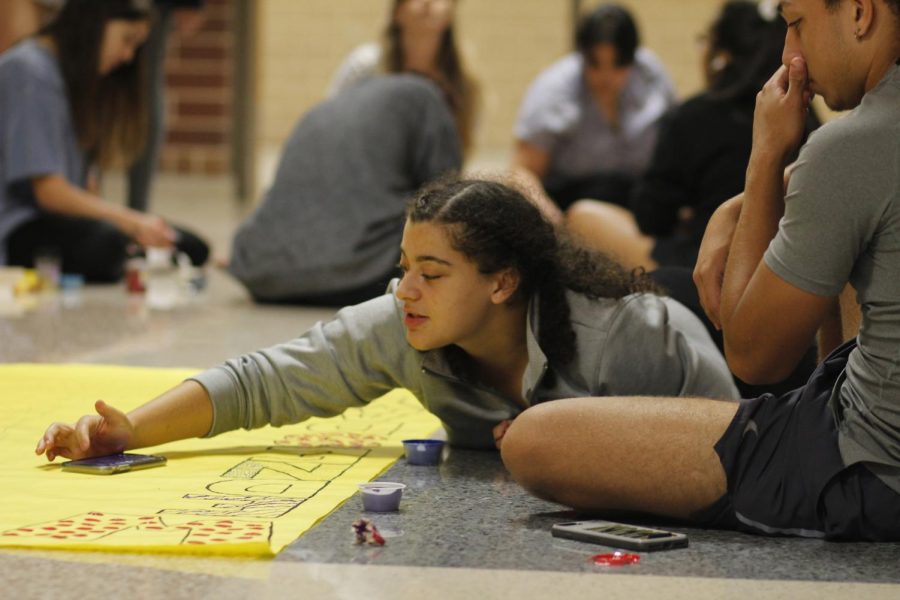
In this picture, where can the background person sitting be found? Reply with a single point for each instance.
(327, 230)
(588, 123)
(71, 100)
(702, 152)
(421, 37)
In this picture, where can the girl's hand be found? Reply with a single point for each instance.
(108, 432)
(152, 231)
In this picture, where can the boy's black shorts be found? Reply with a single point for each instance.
(785, 472)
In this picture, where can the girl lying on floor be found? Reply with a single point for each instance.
(495, 312)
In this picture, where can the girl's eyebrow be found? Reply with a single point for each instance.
(428, 258)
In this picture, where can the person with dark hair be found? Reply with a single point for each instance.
(494, 313)
(71, 99)
(588, 123)
(420, 37)
(821, 461)
(701, 153)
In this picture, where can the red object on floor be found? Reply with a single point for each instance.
(616, 559)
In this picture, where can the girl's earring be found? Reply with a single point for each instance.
(718, 63)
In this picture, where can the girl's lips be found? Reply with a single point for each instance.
(412, 320)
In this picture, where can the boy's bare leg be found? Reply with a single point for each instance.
(651, 455)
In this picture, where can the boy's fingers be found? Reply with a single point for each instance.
(779, 79)
(797, 77)
(710, 307)
(709, 297)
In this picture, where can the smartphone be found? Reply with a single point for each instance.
(114, 463)
(620, 535)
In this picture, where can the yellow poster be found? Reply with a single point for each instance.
(240, 493)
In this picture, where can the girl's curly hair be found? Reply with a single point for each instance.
(498, 228)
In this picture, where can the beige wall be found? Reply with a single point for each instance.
(301, 43)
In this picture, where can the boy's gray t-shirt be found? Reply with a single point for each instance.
(333, 218)
(37, 135)
(842, 224)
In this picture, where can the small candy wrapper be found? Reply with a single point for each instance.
(367, 533)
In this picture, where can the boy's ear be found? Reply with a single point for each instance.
(506, 284)
(863, 15)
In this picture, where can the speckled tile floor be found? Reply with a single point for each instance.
(465, 530)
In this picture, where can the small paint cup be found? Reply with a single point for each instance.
(423, 452)
(381, 496)
(71, 281)
(48, 264)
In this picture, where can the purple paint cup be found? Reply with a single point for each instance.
(381, 496)
(423, 452)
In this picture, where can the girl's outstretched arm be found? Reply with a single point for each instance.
(185, 411)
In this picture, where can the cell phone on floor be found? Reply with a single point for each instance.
(620, 535)
(114, 463)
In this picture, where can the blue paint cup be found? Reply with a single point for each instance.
(381, 496)
(423, 452)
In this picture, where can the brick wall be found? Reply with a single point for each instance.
(199, 75)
